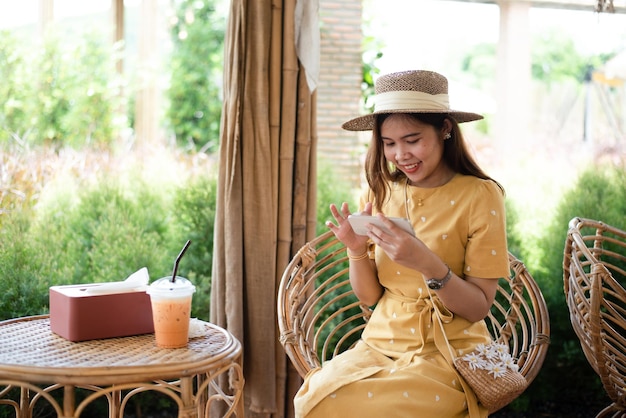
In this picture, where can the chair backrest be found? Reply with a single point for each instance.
(319, 316)
(594, 270)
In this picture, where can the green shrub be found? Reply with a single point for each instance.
(60, 92)
(193, 218)
(24, 290)
(194, 94)
(105, 232)
(599, 193)
(15, 89)
(77, 93)
(513, 233)
(331, 188)
(93, 89)
(102, 234)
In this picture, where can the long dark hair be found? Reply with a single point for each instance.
(378, 171)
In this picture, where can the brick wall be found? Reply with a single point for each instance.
(339, 89)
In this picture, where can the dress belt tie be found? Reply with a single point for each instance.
(427, 308)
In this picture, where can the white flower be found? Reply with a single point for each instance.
(482, 349)
(510, 363)
(496, 369)
(491, 352)
(475, 360)
(494, 358)
(501, 349)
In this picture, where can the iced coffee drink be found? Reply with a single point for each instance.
(171, 310)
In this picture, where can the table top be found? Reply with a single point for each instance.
(29, 348)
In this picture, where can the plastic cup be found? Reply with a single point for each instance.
(171, 310)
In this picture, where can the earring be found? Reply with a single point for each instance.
(447, 135)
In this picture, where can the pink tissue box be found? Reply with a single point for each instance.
(77, 315)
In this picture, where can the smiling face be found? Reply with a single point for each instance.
(416, 149)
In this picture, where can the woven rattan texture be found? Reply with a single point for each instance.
(492, 393)
(424, 81)
(319, 315)
(594, 273)
(28, 346)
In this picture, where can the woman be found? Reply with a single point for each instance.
(418, 168)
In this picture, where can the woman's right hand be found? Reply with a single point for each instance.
(363, 275)
(343, 230)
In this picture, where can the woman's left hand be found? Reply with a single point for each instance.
(399, 245)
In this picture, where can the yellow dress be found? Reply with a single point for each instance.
(397, 369)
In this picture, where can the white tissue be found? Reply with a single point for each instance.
(197, 328)
(136, 281)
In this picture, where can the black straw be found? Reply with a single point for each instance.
(182, 252)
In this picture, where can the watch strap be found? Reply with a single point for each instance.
(437, 284)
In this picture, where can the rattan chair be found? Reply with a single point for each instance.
(594, 270)
(319, 316)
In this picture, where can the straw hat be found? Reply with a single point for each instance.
(416, 91)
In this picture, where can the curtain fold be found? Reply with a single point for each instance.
(266, 191)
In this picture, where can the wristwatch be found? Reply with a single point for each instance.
(436, 284)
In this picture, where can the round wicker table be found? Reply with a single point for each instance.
(38, 366)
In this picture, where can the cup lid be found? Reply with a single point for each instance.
(165, 285)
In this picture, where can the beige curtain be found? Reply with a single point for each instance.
(266, 192)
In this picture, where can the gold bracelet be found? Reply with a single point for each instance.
(357, 257)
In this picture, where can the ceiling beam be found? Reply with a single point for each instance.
(582, 5)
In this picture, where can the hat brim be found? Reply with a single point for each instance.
(366, 122)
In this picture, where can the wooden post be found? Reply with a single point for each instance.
(147, 104)
(513, 75)
(117, 7)
(46, 16)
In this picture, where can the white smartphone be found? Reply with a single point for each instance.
(359, 223)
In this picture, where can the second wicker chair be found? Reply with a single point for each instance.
(594, 271)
